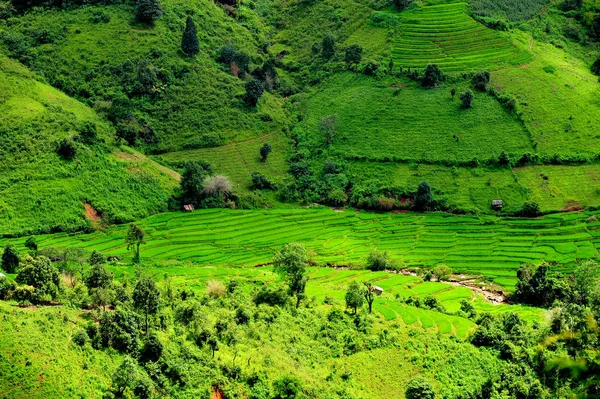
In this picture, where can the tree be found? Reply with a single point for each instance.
(67, 148)
(432, 76)
(442, 272)
(146, 297)
(152, 349)
(480, 80)
(147, 11)
(125, 376)
(419, 388)
(328, 46)
(596, 67)
(10, 259)
(192, 180)
(354, 296)
(40, 274)
(287, 387)
(530, 209)
(378, 260)
(467, 98)
(265, 150)
(369, 294)
(217, 186)
(213, 344)
(453, 93)
(97, 258)
(135, 238)
(468, 308)
(424, 198)
(353, 54)
(98, 277)
(189, 41)
(533, 286)
(402, 4)
(260, 182)
(328, 127)
(102, 297)
(504, 159)
(146, 79)
(254, 89)
(291, 261)
(31, 244)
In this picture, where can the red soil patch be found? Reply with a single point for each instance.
(217, 393)
(92, 213)
(572, 206)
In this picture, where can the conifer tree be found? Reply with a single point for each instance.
(189, 42)
(147, 11)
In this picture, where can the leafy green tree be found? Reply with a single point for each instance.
(146, 297)
(378, 260)
(467, 307)
(424, 198)
(31, 244)
(189, 42)
(99, 276)
(260, 182)
(354, 296)
(146, 77)
(67, 148)
(10, 259)
(467, 98)
(135, 238)
(353, 54)
(97, 258)
(152, 349)
(192, 180)
(419, 388)
(530, 209)
(287, 387)
(328, 127)
(213, 344)
(442, 272)
(40, 274)
(265, 150)
(254, 89)
(125, 376)
(402, 4)
(328, 46)
(481, 80)
(5, 287)
(369, 293)
(291, 261)
(533, 286)
(24, 295)
(147, 11)
(453, 93)
(432, 76)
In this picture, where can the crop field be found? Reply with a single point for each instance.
(445, 35)
(331, 283)
(239, 160)
(488, 246)
(393, 119)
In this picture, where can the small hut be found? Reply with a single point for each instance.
(497, 205)
(188, 208)
(378, 290)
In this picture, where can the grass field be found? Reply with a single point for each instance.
(490, 246)
(445, 35)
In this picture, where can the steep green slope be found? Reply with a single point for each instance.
(41, 191)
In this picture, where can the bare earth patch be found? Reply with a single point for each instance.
(92, 213)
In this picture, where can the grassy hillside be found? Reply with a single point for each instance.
(490, 246)
(40, 190)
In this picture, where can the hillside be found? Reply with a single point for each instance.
(42, 191)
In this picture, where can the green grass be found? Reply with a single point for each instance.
(410, 123)
(488, 246)
(511, 10)
(40, 191)
(445, 35)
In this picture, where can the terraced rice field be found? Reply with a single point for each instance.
(488, 246)
(332, 283)
(445, 35)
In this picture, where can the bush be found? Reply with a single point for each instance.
(287, 387)
(67, 148)
(419, 388)
(530, 209)
(6, 288)
(353, 54)
(10, 259)
(378, 260)
(467, 98)
(80, 338)
(328, 45)
(147, 11)
(242, 316)
(432, 76)
(215, 289)
(596, 67)
(424, 198)
(273, 297)
(442, 273)
(480, 80)
(260, 182)
(254, 89)
(265, 150)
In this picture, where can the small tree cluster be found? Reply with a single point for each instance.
(378, 260)
(481, 80)
(291, 261)
(467, 98)
(353, 54)
(147, 11)
(432, 76)
(328, 46)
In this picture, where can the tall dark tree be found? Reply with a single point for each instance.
(146, 297)
(453, 92)
(369, 293)
(423, 199)
(354, 296)
(328, 46)
(481, 80)
(265, 150)
(254, 89)
(147, 11)
(135, 238)
(189, 42)
(192, 180)
(402, 4)
(291, 261)
(432, 76)
(31, 244)
(353, 54)
(467, 98)
(10, 259)
(98, 277)
(596, 67)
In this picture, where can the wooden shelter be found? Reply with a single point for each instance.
(497, 205)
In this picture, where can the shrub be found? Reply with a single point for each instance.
(272, 297)
(480, 80)
(217, 186)
(5, 288)
(419, 388)
(152, 349)
(67, 148)
(287, 387)
(10, 259)
(378, 260)
(423, 198)
(189, 41)
(265, 150)
(97, 258)
(467, 98)
(191, 183)
(442, 272)
(432, 76)
(530, 209)
(242, 316)
(25, 295)
(147, 11)
(328, 45)
(353, 54)
(254, 89)
(41, 274)
(80, 338)
(215, 289)
(402, 4)
(596, 67)
(88, 132)
(260, 182)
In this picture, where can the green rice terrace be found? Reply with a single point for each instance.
(488, 246)
(445, 35)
